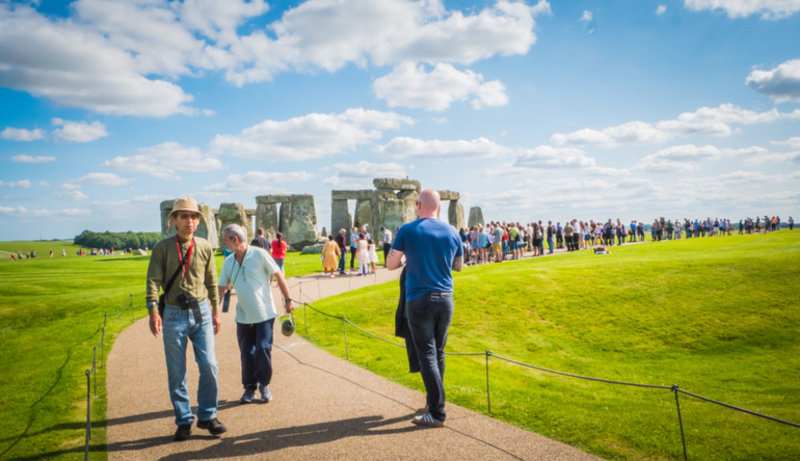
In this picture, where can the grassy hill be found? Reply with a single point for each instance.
(717, 316)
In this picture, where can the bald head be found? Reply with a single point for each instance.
(429, 202)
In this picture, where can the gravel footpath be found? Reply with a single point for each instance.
(324, 407)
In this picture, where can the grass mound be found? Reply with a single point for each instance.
(717, 316)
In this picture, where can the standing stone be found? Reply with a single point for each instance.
(267, 219)
(232, 213)
(167, 228)
(363, 213)
(340, 216)
(375, 206)
(455, 214)
(207, 228)
(392, 215)
(410, 211)
(299, 222)
(476, 216)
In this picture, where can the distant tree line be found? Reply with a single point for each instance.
(118, 240)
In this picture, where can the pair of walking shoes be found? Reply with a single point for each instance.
(213, 425)
(250, 394)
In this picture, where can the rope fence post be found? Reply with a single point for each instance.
(680, 421)
(103, 348)
(346, 349)
(488, 397)
(94, 368)
(305, 318)
(133, 317)
(88, 415)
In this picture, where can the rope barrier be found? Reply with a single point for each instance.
(674, 388)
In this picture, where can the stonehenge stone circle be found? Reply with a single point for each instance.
(299, 221)
(233, 213)
(206, 228)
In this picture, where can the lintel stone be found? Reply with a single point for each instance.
(351, 194)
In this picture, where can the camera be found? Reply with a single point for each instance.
(226, 301)
(184, 301)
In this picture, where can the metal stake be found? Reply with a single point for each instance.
(94, 368)
(680, 420)
(305, 319)
(488, 397)
(103, 349)
(88, 414)
(346, 349)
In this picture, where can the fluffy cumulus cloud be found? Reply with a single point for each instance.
(587, 16)
(361, 174)
(793, 142)
(768, 9)
(410, 85)
(689, 157)
(29, 159)
(327, 35)
(660, 10)
(546, 157)
(122, 56)
(781, 83)
(164, 160)
(71, 195)
(103, 179)
(257, 181)
(21, 134)
(309, 136)
(404, 147)
(78, 131)
(707, 121)
(23, 184)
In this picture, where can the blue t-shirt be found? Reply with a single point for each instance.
(430, 245)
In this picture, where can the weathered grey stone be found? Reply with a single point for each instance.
(351, 194)
(392, 215)
(273, 198)
(455, 214)
(396, 184)
(299, 221)
(410, 210)
(206, 228)
(376, 218)
(324, 232)
(363, 213)
(313, 249)
(140, 252)
(250, 211)
(267, 218)
(340, 216)
(233, 213)
(449, 195)
(476, 216)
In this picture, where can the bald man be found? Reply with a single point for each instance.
(432, 250)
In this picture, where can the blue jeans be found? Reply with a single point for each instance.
(255, 350)
(342, 258)
(429, 318)
(279, 262)
(550, 243)
(178, 328)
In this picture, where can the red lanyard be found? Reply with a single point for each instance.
(180, 256)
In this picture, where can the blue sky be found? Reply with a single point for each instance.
(560, 110)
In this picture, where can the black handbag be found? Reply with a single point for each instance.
(162, 301)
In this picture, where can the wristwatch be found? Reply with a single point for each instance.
(151, 305)
(287, 300)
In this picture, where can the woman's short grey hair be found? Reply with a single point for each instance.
(235, 230)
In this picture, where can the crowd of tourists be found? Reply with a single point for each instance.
(498, 241)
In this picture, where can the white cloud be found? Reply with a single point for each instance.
(71, 195)
(163, 160)
(310, 136)
(21, 134)
(74, 65)
(660, 10)
(29, 159)
(404, 147)
(70, 186)
(410, 85)
(793, 142)
(587, 16)
(781, 83)
(361, 174)
(546, 157)
(708, 121)
(5, 210)
(605, 171)
(73, 212)
(103, 179)
(255, 181)
(689, 157)
(791, 157)
(78, 131)
(44, 183)
(327, 35)
(769, 9)
(24, 184)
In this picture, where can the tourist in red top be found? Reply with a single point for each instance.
(278, 249)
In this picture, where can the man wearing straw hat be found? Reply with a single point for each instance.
(184, 267)
(249, 269)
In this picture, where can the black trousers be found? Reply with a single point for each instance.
(352, 256)
(386, 248)
(255, 349)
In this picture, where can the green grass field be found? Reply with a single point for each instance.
(51, 312)
(717, 316)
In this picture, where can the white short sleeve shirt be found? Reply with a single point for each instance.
(251, 280)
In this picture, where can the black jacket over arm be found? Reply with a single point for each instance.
(401, 329)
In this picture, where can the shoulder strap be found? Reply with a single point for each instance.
(172, 280)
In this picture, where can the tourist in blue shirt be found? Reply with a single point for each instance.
(353, 245)
(432, 249)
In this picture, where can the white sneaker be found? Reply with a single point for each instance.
(331, 276)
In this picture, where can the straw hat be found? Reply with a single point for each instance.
(185, 204)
